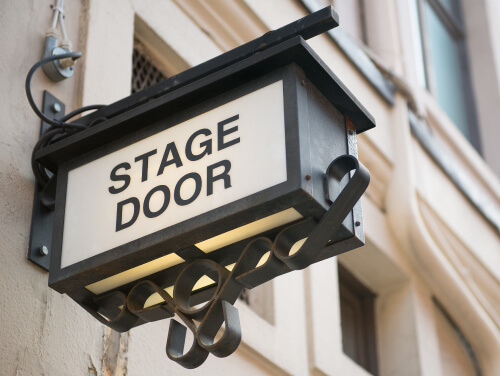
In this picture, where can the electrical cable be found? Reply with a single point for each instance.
(61, 22)
(80, 110)
(39, 171)
(57, 10)
(27, 87)
(59, 128)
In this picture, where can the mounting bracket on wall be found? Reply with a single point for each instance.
(43, 210)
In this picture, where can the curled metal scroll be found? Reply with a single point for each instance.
(123, 312)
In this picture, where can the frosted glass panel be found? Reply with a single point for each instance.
(448, 74)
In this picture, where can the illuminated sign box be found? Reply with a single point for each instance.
(225, 176)
(200, 171)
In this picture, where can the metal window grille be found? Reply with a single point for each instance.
(144, 72)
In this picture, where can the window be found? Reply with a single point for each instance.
(445, 63)
(144, 72)
(357, 316)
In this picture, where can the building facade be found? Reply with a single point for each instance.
(422, 297)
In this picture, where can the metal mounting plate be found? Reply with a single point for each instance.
(42, 218)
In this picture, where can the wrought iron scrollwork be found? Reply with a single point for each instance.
(123, 312)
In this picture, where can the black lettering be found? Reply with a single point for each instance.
(221, 133)
(222, 176)
(144, 158)
(166, 200)
(207, 144)
(119, 213)
(177, 192)
(115, 177)
(165, 162)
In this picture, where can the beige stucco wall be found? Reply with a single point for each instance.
(41, 332)
(424, 239)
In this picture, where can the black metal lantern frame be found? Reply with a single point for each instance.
(324, 184)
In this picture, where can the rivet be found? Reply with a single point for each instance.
(56, 108)
(44, 250)
(357, 223)
(308, 177)
(303, 83)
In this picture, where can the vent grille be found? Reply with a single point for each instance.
(144, 72)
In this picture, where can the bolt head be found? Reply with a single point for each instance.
(56, 107)
(44, 250)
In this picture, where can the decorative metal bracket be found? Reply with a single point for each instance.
(122, 312)
(43, 202)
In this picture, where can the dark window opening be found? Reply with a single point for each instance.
(357, 315)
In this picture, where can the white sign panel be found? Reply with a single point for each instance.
(211, 160)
